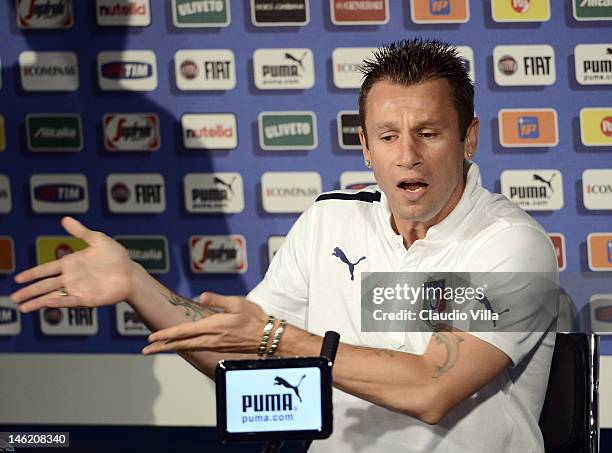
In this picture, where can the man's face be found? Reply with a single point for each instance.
(416, 150)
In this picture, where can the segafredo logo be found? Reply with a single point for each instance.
(347, 63)
(287, 130)
(283, 69)
(205, 69)
(534, 190)
(59, 193)
(131, 131)
(209, 131)
(278, 13)
(44, 13)
(218, 254)
(123, 13)
(203, 13)
(597, 188)
(214, 192)
(530, 65)
(5, 195)
(48, 71)
(593, 63)
(289, 191)
(135, 193)
(373, 12)
(131, 70)
(54, 132)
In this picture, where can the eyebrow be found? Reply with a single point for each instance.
(419, 125)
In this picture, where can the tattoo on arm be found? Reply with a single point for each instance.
(450, 341)
(192, 309)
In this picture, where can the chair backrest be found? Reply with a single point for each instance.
(569, 419)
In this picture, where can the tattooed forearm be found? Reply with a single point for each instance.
(450, 341)
(192, 309)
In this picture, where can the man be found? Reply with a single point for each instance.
(441, 391)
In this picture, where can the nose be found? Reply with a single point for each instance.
(409, 153)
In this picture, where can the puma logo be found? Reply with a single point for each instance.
(547, 182)
(342, 257)
(288, 56)
(280, 381)
(229, 185)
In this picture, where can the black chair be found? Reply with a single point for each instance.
(569, 419)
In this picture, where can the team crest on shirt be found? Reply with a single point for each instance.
(338, 253)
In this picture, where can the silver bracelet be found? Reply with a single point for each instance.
(261, 351)
(277, 337)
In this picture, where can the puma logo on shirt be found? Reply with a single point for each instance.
(342, 257)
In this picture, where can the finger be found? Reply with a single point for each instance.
(182, 331)
(218, 302)
(78, 230)
(34, 273)
(191, 344)
(52, 299)
(36, 289)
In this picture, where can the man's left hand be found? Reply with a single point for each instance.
(236, 328)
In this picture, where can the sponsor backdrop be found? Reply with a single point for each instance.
(195, 132)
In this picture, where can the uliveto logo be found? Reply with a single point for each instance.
(214, 192)
(283, 69)
(534, 190)
(205, 69)
(209, 131)
(131, 131)
(59, 193)
(203, 13)
(44, 13)
(289, 191)
(287, 130)
(123, 13)
(49, 71)
(529, 65)
(218, 254)
(134, 193)
(131, 70)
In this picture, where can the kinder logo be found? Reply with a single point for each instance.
(205, 13)
(599, 246)
(597, 189)
(209, 131)
(69, 321)
(601, 313)
(283, 69)
(286, 192)
(151, 252)
(123, 13)
(205, 69)
(214, 192)
(49, 71)
(558, 241)
(534, 190)
(131, 131)
(274, 13)
(6, 204)
(347, 63)
(7, 255)
(132, 70)
(373, 12)
(44, 13)
(593, 64)
(136, 193)
(520, 10)
(10, 318)
(287, 130)
(524, 65)
(596, 126)
(528, 128)
(51, 248)
(54, 132)
(274, 244)
(218, 254)
(128, 321)
(356, 180)
(439, 11)
(58, 193)
(467, 56)
(592, 9)
(348, 129)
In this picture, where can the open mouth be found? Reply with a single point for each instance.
(413, 187)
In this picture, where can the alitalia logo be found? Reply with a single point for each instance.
(54, 132)
(151, 252)
(287, 130)
(592, 9)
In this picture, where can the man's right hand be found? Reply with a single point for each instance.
(98, 275)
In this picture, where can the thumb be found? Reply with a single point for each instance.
(217, 302)
(77, 229)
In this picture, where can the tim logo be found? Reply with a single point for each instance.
(122, 70)
(59, 193)
(528, 127)
(439, 7)
(338, 253)
(280, 381)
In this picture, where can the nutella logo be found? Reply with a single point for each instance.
(209, 131)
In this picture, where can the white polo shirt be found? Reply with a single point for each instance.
(310, 286)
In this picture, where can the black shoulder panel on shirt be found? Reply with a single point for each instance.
(368, 197)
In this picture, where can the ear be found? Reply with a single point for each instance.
(470, 143)
(364, 146)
